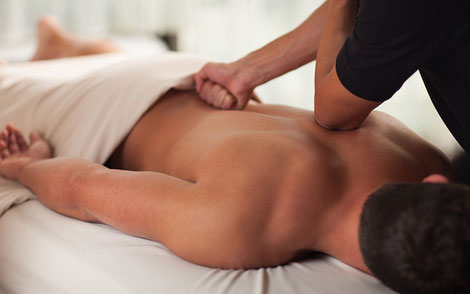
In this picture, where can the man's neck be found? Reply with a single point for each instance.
(342, 234)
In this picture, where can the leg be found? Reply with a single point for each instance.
(54, 42)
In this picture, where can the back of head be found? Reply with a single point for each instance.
(416, 237)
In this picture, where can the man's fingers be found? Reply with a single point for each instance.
(200, 78)
(4, 135)
(20, 140)
(220, 94)
(205, 93)
(226, 100)
(210, 92)
(3, 145)
(241, 102)
(18, 137)
(5, 153)
(12, 144)
(229, 102)
(219, 97)
(216, 95)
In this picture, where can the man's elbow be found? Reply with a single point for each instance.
(332, 120)
(336, 114)
(336, 125)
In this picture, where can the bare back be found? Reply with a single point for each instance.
(274, 174)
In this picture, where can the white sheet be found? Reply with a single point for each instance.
(44, 252)
(85, 106)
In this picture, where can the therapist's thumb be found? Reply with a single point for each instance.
(200, 78)
(210, 72)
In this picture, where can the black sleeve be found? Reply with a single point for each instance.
(391, 38)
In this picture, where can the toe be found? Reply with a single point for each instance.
(4, 135)
(3, 148)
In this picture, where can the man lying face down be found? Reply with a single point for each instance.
(260, 187)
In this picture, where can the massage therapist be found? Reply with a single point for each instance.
(365, 51)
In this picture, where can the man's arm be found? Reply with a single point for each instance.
(146, 204)
(143, 204)
(179, 214)
(232, 84)
(335, 106)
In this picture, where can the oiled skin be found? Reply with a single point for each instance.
(279, 184)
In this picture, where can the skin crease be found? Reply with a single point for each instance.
(230, 189)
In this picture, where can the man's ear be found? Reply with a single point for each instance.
(436, 178)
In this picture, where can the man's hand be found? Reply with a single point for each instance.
(231, 85)
(15, 153)
(223, 85)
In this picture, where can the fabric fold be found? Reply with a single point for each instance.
(86, 110)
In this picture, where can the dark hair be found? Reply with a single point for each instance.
(415, 238)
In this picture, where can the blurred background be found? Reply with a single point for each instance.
(223, 30)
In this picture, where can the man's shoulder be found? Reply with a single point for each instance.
(388, 131)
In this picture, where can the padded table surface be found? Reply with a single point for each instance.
(44, 252)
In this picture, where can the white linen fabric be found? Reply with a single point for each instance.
(44, 252)
(85, 106)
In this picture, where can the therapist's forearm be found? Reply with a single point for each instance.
(335, 106)
(286, 53)
(339, 24)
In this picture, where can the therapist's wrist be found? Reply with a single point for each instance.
(251, 71)
(245, 75)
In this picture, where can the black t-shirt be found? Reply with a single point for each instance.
(392, 39)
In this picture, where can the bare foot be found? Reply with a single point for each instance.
(51, 39)
(55, 42)
(15, 153)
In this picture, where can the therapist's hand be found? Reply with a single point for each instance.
(224, 85)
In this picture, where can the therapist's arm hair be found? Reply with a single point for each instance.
(233, 83)
(286, 53)
(336, 107)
